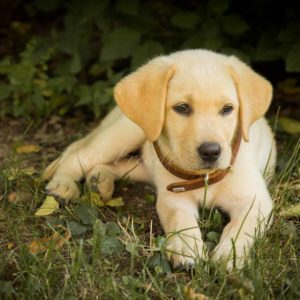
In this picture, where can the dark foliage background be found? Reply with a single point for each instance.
(61, 57)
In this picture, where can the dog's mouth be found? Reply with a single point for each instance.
(205, 168)
(195, 165)
(209, 167)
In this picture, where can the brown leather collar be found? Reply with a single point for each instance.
(196, 181)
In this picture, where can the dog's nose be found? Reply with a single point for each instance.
(209, 152)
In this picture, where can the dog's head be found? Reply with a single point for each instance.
(194, 101)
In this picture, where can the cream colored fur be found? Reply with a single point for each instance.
(206, 81)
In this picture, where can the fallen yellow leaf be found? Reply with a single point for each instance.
(12, 197)
(14, 173)
(293, 211)
(54, 242)
(96, 199)
(190, 294)
(115, 202)
(31, 148)
(10, 245)
(48, 207)
(289, 125)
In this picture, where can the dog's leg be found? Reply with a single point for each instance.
(178, 215)
(102, 146)
(250, 214)
(102, 177)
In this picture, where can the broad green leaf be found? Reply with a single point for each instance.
(218, 7)
(75, 65)
(62, 83)
(86, 213)
(289, 228)
(217, 218)
(55, 221)
(159, 260)
(128, 7)
(113, 229)
(213, 44)
(99, 228)
(292, 61)
(22, 75)
(132, 249)
(111, 246)
(76, 228)
(234, 24)
(268, 49)
(40, 83)
(58, 101)
(185, 20)
(209, 37)
(145, 52)
(5, 66)
(115, 77)
(240, 54)
(38, 99)
(289, 125)
(98, 89)
(195, 41)
(5, 91)
(293, 211)
(290, 33)
(213, 236)
(210, 245)
(84, 94)
(132, 281)
(199, 41)
(120, 44)
(47, 6)
(49, 206)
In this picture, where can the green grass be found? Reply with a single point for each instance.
(117, 253)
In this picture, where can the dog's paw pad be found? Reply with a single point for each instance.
(225, 255)
(63, 189)
(102, 182)
(186, 266)
(185, 253)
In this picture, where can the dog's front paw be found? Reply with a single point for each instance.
(185, 252)
(101, 181)
(230, 256)
(63, 187)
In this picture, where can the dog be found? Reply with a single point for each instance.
(198, 117)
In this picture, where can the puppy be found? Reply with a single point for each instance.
(198, 118)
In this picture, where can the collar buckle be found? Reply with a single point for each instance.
(178, 189)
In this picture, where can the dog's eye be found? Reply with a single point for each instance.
(183, 108)
(227, 109)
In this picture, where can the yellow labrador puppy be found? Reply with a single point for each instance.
(198, 118)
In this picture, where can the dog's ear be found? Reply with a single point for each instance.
(142, 96)
(254, 93)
